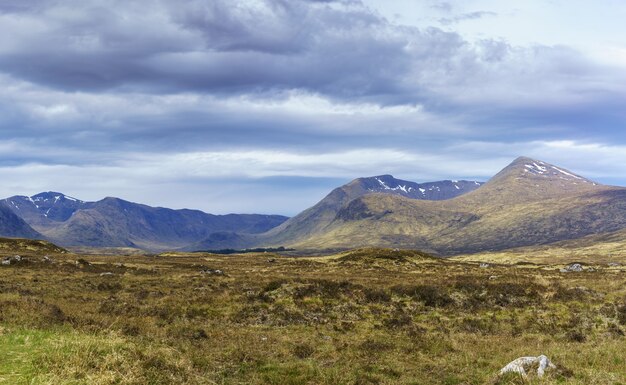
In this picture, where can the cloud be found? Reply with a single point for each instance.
(134, 97)
(466, 16)
(342, 50)
(442, 6)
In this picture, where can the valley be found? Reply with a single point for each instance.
(384, 281)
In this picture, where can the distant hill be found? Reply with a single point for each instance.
(318, 217)
(113, 222)
(12, 225)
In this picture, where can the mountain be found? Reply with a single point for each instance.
(114, 222)
(530, 202)
(45, 208)
(13, 226)
(318, 217)
(446, 189)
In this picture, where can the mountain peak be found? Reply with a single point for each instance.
(526, 167)
(388, 184)
(52, 195)
(527, 179)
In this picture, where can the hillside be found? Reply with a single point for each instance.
(605, 248)
(529, 202)
(318, 217)
(114, 222)
(12, 225)
(22, 245)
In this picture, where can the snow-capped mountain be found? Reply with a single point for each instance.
(316, 218)
(446, 189)
(45, 207)
(546, 170)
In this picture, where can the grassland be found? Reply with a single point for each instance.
(600, 248)
(362, 317)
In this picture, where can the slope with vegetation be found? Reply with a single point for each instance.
(529, 202)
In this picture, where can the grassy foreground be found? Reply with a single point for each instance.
(364, 317)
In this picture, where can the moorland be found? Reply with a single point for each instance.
(365, 316)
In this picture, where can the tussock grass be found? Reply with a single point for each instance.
(375, 317)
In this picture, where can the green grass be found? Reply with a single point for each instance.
(56, 356)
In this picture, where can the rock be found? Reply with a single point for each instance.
(523, 364)
(212, 271)
(11, 260)
(107, 274)
(47, 259)
(613, 264)
(574, 267)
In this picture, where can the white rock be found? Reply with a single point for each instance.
(523, 364)
(575, 267)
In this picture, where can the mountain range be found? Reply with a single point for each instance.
(316, 219)
(113, 222)
(530, 202)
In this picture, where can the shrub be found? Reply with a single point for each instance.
(431, 296)
(303, 350)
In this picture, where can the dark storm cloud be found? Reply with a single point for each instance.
(206, 46)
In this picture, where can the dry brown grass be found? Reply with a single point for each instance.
(370, 317)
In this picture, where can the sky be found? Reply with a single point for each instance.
(264, 106)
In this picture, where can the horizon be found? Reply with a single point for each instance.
(301, 209)
(267, 106)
